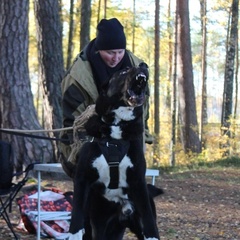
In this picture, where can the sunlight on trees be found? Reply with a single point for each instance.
(144, 46)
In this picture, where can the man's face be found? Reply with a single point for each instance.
(112, 57)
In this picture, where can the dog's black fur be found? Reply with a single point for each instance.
(105, 208)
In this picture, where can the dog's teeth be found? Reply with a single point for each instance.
(141, 75)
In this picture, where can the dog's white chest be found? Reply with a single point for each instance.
(103, 168)
(121, 113)
(116, 132)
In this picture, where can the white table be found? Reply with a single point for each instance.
(57, 168)
(44, 167)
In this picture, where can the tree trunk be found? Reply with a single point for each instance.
(16, 99)
(236, 80)
(234, 133)
(156, 83)
(170, 55)
(134, 25)
(204, 116)
(187, 105)
(229, 71)
(70, 35)
(85, 23)
(174, 95)
(105, 9)
(99, 11)
(50, 59)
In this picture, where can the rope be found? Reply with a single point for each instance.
(77, 125)
(25, 133)
(35, 131)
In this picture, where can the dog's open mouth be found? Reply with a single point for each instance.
(136, 90)
(135, 100)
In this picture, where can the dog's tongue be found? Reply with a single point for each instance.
(135, 100)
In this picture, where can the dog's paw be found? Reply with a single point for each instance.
(76, 236)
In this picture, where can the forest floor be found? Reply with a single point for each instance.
(201, 204)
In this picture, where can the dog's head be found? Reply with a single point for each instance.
(130, 85)
(122, 99)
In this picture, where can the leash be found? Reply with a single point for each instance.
(26, 133)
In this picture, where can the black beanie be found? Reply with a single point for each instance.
(110, 35)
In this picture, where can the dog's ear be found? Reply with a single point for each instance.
(144, 68)
(143, 65)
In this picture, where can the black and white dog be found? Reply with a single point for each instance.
(110, 190)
